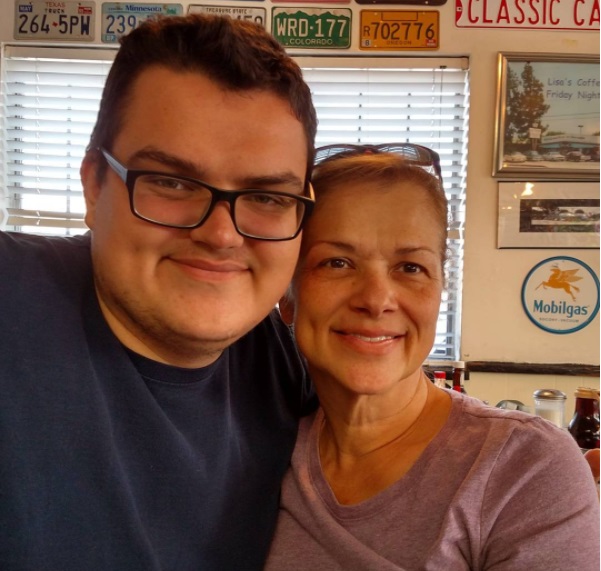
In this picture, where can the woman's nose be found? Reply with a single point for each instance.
(218, 230)
(375, 294)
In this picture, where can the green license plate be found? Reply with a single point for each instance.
(313, 28)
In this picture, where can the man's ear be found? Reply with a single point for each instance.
(91, 186)
(287, 307)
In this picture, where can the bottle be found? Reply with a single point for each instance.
(440, 378)
(459, 375)
(584, 426)
(550, 404)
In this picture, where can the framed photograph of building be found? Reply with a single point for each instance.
(547, 123)
(548, 215)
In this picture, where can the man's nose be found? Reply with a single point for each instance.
(218, 230)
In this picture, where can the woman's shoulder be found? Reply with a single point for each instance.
(516, 432)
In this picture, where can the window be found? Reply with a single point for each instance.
(50, 101)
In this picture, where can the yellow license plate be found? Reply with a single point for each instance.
(399, 30)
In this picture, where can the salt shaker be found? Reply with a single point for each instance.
(550, 404)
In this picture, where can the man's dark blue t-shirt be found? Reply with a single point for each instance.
(113, 462)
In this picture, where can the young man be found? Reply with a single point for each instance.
(150, 394)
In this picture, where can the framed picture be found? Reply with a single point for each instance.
(547, 124)
(548, 215)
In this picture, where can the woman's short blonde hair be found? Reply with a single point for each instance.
(383, 168)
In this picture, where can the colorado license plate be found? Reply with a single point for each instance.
(313, 28)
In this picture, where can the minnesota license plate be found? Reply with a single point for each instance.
(54, 20)
(399, 30)
(119, 18)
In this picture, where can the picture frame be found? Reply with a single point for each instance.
(547, 117)
(548, 215)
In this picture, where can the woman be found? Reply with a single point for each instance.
(393, 473)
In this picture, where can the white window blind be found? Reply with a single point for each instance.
(50, 99)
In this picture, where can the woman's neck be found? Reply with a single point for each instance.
(359, 425)
(363, 453)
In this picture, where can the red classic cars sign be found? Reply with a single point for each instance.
(535, 14)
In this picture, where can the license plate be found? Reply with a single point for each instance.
(54, 20)
(399, 30)
(120, 18)
(256, 15)
(314, 28)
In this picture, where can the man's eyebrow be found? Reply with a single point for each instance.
(288, 179)
(187, 168)
(182, 166)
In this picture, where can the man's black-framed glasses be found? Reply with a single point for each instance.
(418, 155)
(183, 202)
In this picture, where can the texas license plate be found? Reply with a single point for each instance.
(54, 20)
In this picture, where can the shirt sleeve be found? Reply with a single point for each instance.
(540, 507)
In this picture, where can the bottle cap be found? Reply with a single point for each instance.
(440, 375)
(586, 393)
(549, 394)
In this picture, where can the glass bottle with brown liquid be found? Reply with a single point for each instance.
(584, 426)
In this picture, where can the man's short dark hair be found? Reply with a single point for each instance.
(237, 54)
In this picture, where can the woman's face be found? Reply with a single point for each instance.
(369, 286)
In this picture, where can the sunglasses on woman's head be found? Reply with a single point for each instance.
(417, 155)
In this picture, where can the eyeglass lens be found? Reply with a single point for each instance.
(181, 203)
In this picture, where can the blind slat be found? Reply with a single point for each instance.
(35, 222)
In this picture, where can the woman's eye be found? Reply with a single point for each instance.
(336, 263)
(410, 268)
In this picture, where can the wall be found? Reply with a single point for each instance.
(495, 328)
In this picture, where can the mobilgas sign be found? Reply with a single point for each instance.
(534, 14)
(561, 295)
